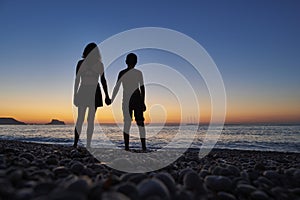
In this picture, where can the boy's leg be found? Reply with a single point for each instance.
(142, 131)
(127, 114)
(139, 117)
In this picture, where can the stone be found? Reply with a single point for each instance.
(225, 196)
(24, 194)
(182, 173)
(191, 181)
(153, 187)
(137, 178)
(271, 174)
(28, 156)
(44, 188)
(51, 160)
(24, 162)
(218, 183)
(64, 194)
(234, 170)
(16, 176)
(203, 173)
(128, 189)
(81, 185)
(114, 196)
(259, 167)
(216, 170)
(182, 194)
(95, 191)
(77, 167)
(168, 180)
(61, 171)
(245, 189)
(265, 180)
(259, 195)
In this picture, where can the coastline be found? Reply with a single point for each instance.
(48, 171)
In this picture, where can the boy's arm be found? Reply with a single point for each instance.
(104, 85)
(142, 89)
(116, 89)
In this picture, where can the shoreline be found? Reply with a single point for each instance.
(48, 171)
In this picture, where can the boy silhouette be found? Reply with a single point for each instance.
(133, 99)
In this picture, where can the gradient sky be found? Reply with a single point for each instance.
(255, 44)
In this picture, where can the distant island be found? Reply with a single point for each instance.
(56, 122)
(10, 121)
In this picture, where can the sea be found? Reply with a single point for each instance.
(283, 138)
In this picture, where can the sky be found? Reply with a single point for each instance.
(254, 44)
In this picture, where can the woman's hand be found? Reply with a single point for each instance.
(107, 100)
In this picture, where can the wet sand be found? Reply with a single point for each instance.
(46, 171)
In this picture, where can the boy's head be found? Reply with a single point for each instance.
(131, 60)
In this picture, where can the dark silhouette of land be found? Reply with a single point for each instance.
(10, 121)
(56, 122)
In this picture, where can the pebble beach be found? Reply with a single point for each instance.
(56, 172)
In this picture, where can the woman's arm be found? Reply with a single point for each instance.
(77, 81)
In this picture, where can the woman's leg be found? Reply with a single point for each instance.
(78, 126)
(90, 127)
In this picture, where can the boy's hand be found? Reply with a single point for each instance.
(144, 107)
(107, 101)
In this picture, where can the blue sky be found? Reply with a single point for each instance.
(255, 44)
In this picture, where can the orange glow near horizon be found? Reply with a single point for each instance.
(239, 110)
(237, 113)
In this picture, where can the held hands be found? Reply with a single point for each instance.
(107, 100)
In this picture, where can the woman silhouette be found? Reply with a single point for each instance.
(87, 92)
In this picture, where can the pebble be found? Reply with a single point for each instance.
(225, 196)
(218, 183)
(259, 167)
(245, 189)
(28, 156)
(128, 189)
(24, 194)
(191, 181)
(182, 174)
(81, 185)
(265, 180)
(203, 173)
(182, 194)
(64, 195)
(168, 180)
(61, 171)
(137, 178)
(114, 196)
(95, 191)
(153, 187)
(234, 170)
(44, 188)
(259, 195)
(51, 160)
(77, 167)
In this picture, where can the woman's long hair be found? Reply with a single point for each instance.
(91, 53)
